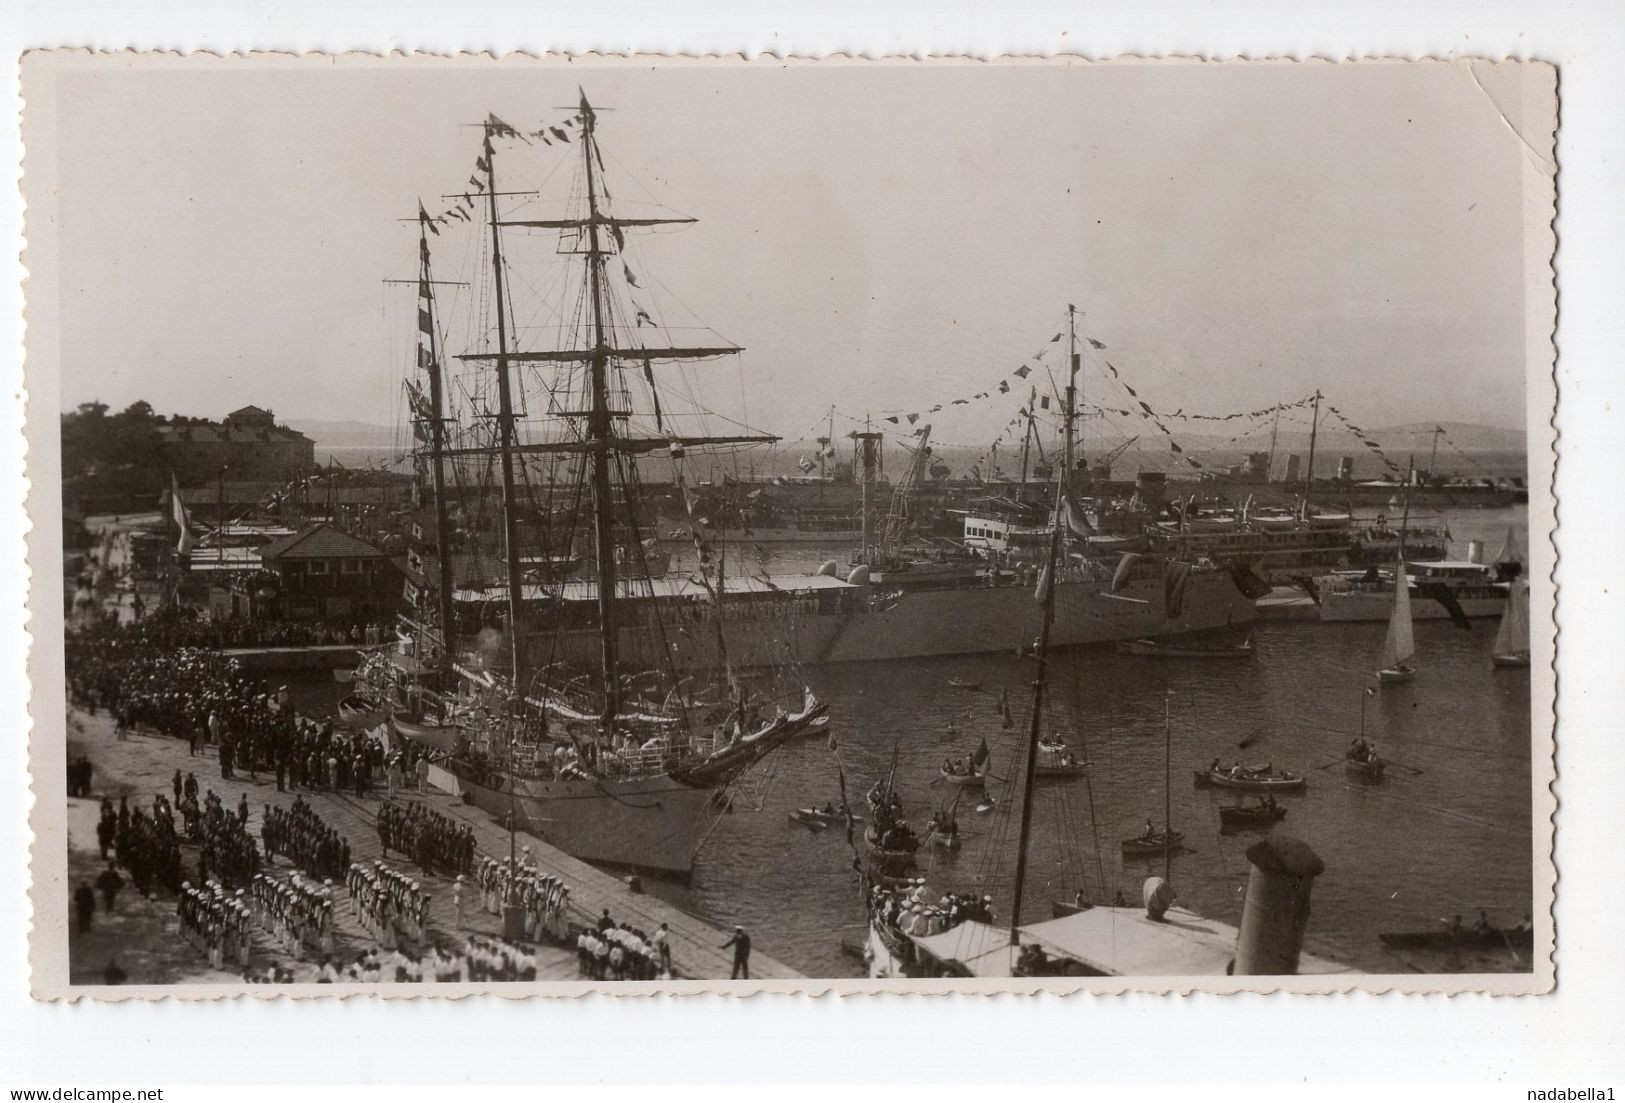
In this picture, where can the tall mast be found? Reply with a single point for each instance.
(598, 433)
(1275, 428)
(1072, 365)
(505, 426)
(437, 442)
(1309, 476)
(1047, 582)
(1026, 443)
(1433, 457)
(1168, 787)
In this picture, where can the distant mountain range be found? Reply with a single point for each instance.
(344, 434)
(1396, 440)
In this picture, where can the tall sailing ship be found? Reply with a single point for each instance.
(608, 755)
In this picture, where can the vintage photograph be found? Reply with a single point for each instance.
(547, 524)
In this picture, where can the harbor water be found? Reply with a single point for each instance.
(1447, 832)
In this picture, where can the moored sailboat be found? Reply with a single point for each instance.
(1399, 646)
(1511, 647)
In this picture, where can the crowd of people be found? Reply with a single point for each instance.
(216, 921)
(296, 911)
(158, 676)
(391, 907)
(148, 680)
(433, 841)
(300, 835)
(178, 630)
(543, 896)
(480, 960)
(226, 851)
(147, 846)
(612, 951)
(908, 908)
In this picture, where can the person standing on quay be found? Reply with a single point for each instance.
(663, 944)
(741, 944)
(84, 903)
(109, 883)
(423, 775)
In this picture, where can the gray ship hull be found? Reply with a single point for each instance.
(926, 623)
(654, 825)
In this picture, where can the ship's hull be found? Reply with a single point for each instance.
(790, 534)
(653, 824)
(926, 623)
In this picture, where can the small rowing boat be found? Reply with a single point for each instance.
(1055, 759)
(960, 683)
(1517, 939)
(357, 712)
(820, 818)
(1258, 814)
(1250, 779)
(1175, 649)
(1150, 846)
(1370, 769)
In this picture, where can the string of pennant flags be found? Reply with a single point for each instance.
(1363, 438)
(462, 207)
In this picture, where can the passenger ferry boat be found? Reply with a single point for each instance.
(1477, 589)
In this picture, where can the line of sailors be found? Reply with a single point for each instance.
(543, 897)
(297, 911)
(430, 839)
(611, 952)
(388, 904)
(216, 921)
(481, 960)
(907, 909)
(306, 839)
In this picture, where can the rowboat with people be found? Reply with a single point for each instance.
(1055, 759)
(1363, 762)
(1152, 844)
(819, 818)
(1482, 935)
(970, 771)
(1260, 812)
(1261, 778)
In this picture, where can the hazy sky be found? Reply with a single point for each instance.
(879, 237)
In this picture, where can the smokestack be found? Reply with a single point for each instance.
(1152, 486)
(1276, 912)
(1291, 469)
(1345, 469)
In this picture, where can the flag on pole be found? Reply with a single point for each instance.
(177, 510)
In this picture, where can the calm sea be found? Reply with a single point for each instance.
(1447, 832)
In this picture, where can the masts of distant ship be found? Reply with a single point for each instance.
(599, 425)
(1072, 365)
(437, 439)
(1309, 475)
(505, 436)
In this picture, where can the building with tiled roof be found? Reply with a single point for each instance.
(324, 573)
(249, 445)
